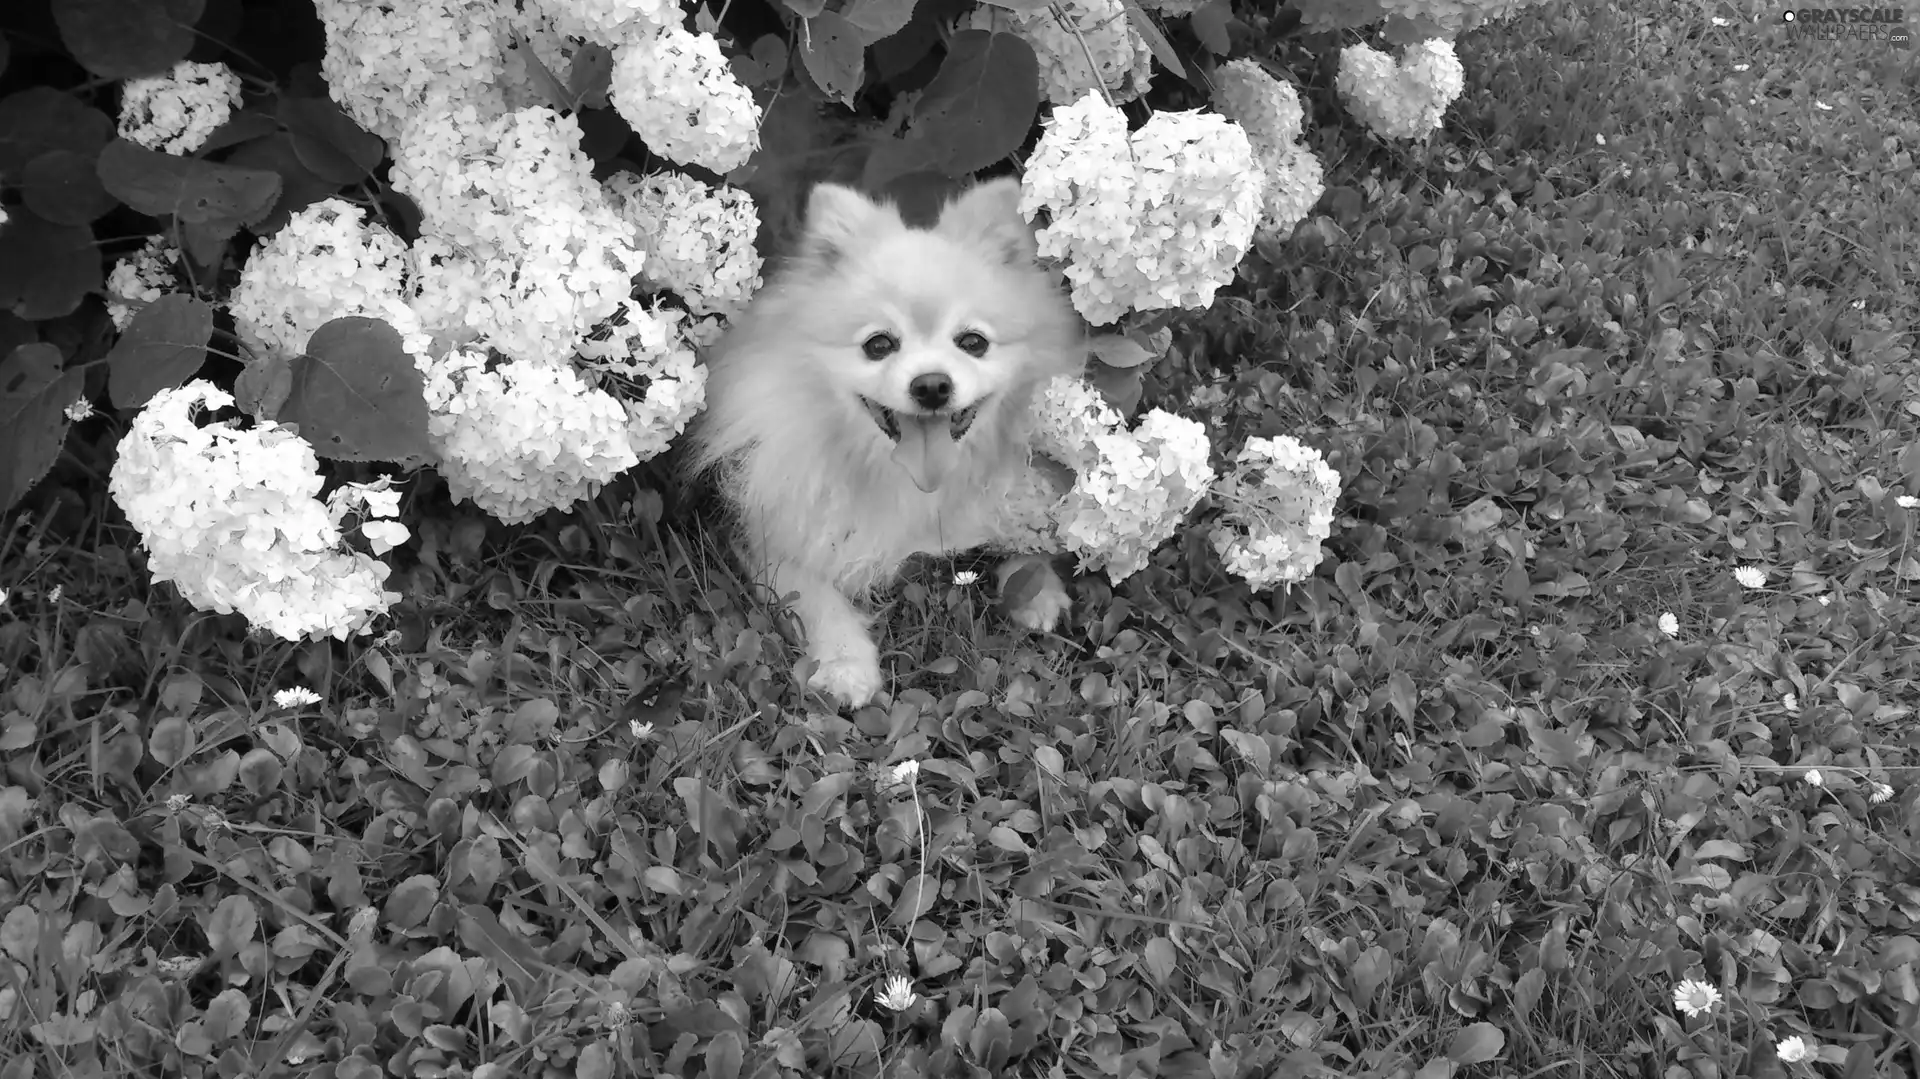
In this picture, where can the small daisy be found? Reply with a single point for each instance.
(1791, 702)
(58, 591)
(904, 773)
(641, 731)
(898, 995)
(1600, 140)
(296, 697)
(1880, 792)
(79, 410)
(1718, 21)
(1741, 67)
(1669, 625)
(1906, 502)
(1694, 997)
(1793, 1050)
(1813, 778)
(1823, 106)
(1751, 577)
(966, 577)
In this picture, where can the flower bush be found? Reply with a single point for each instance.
(1586, 744)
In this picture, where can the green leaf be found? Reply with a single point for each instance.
(1157, 42)
(299, 187)
(226, 1016)
(806, 9)
(231, 926)
(596, 1061)
(877, 19)
(328, 141)
(1119, 350)
(917, 897)
(46, 269)
(1160, 959)
(834, 54)
(590, 76)
(186, 187)
(977, 110)
(127, 39)
(358, 397)
(262, 387)
(764, 63)
(1209, 22)
(39, 119)
(171, 740)
(63, 187)
(162, 348)
(725, 1055)
(1476, 1044)
(260, 772)
(34, 393)
(411, 901)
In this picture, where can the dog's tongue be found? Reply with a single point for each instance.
(926, 450)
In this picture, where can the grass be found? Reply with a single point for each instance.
(1641, 314)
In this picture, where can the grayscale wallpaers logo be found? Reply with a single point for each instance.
(1889, 25)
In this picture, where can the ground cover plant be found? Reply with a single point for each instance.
(1588, 749)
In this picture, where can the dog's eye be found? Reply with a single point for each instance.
(971, 343)
(880, 346)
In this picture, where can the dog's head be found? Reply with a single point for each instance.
(927, 330)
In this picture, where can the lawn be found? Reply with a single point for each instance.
(1605, 690)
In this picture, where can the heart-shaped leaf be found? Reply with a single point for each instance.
(358, 397)
(162, 348)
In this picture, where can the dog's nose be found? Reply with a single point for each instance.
(931, 391)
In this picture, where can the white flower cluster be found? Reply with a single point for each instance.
(386, 62)
(1159, 218)
(519, 246)
(1098, 29)
(698, 237)
(1279, 500)
(231, 517)
(141, 278)
(1404, 98)
(1271, 113)
(176, 112)
(638, 344)
(525, 437)
(1131, 489)
(1450, 18)
(610, 22)
(326, 262)
(679, 94)
(1173, 9)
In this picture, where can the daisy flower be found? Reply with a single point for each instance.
(898, 995)
(1695, 997)
(1793, 1050)
(1669, 625)
(1813, 778)
(966, 577)
(297, 697)
(1880, 792)
(1751, 577)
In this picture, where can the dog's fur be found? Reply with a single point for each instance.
(830, 503)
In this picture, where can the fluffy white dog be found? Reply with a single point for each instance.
(874, 401)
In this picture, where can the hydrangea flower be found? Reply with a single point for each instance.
(385, 63)
(698, 237)
(232, 518)
(1154, 219)
(681, 97)
(640, 346)
(520, 248)
(1279, 500)
(525, 437)
(610, 22)
(1271, 114)
(1404, 98)
(175, 113)
(1130, 489)
(1096, 28)
(327, 262)
(141, 278)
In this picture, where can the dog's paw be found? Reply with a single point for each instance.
(852, 679)
(1036, 599)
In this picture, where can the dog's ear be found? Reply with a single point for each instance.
(838, 217)
(989, 214)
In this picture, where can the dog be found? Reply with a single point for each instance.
(874, 401)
